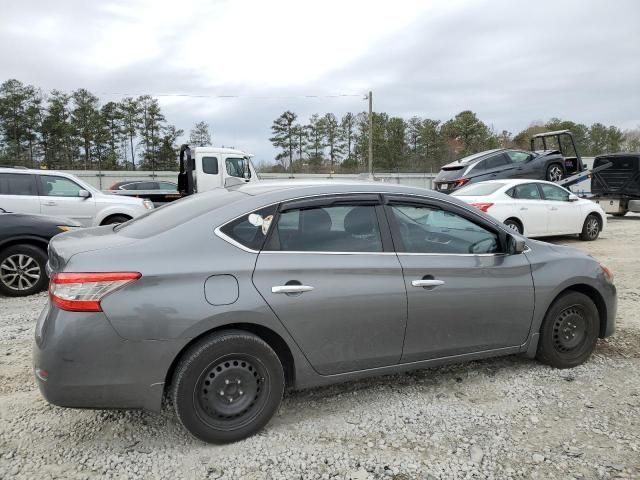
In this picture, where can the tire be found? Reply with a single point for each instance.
(590, 228)
(231, 366)
(115, 219)
(514, 225)
(569, 331)
(555, 172)
(22, 270)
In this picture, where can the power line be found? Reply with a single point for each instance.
(266, 97)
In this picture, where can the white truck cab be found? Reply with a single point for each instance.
(217, 167)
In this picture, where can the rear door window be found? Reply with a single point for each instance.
(528, 191)
(332, 228)
(519, 157)
(17, 184)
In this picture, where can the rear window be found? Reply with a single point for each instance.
(210, 165)
(478, 189)
(176, 213)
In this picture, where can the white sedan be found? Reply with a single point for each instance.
(536, 208)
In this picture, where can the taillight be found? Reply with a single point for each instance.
(82, 292)
(482, 206)
(462, 182)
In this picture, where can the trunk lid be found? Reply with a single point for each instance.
(64, 246)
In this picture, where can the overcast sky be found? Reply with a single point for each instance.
(512, 62)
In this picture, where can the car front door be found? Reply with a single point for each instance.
(329, 273)
(19, 193)
(61, 196)
(493, 167)
(464, 294)
(531, 208)
(523, 165)
(563, 216)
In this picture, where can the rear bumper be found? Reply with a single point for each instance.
(87, 365)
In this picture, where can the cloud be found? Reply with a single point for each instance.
(509, 61)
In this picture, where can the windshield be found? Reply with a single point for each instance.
(478, 189)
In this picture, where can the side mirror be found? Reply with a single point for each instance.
(573, 197)
(84, 194)
(515, 245)
(247, 170)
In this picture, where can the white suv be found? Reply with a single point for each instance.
(61, 194)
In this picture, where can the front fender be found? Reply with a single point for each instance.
(105, 212)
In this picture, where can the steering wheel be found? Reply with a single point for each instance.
(473, 246)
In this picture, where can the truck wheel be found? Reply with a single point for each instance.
(555, 173)
(227, 387)
(22, 270)
(115, 219)
(569, 331)
(591, 228)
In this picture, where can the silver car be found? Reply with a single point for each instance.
(224, 299)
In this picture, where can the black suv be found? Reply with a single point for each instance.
(23, 250)
(552, 163)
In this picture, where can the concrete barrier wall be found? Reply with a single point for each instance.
(103, 180)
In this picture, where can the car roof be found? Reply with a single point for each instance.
(333, 186)
(479, 155)
(510, 182)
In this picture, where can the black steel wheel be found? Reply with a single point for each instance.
(227, 386)
(590, 228)
(569, 331)
(22, 270)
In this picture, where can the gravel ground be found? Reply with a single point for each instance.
(501, 418)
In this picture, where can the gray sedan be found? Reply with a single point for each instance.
(224, 299)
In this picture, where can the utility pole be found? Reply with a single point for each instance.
(370, 135)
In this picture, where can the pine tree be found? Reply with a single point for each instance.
(132, 121)
(84, 121)
(316, 141)
(348, 136)
(200, 136)
(333, 138)
(284, 138)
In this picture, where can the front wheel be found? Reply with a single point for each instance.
(554, 173)
(22, 270)
(590, 228)
(114, 219)
(569, 331)
(227, 387)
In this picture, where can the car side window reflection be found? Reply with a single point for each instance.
(342, 228)
(552, 192)
(528, 191)
(425, 229)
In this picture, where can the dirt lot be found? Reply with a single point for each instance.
(502, 418)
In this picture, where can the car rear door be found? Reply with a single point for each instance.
(61, 196)
(494, 167)
(524, 167)
(329, 273)
(531, 208)
(563, 216)
(18, 193)
(464, 295)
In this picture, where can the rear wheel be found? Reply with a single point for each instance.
(569, 331)
(227, 387)
(22, 270)
(515, 225)
(590, 228)
(555, 173)
(115, 219)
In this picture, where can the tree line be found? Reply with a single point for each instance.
(327, 143)
(72, 130)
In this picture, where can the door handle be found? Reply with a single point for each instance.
(291, 289)
(50, 203)
(524, 208)
(427, 283)
(554, 208)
